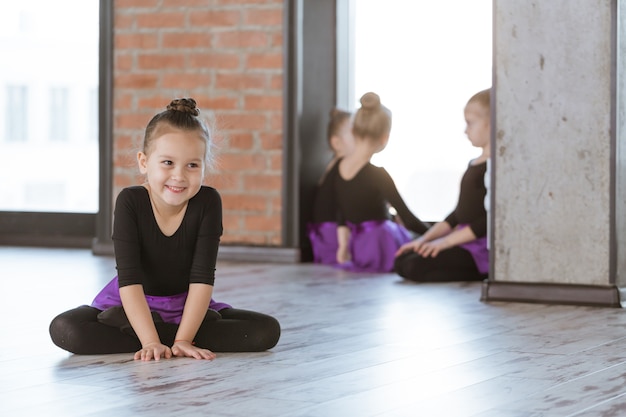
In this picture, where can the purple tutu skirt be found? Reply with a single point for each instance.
(323, 238)
(373, 245)
(478, 249)
(169, 307)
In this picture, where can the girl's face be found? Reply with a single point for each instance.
(343, 142)
(174, 167)
(478, 128)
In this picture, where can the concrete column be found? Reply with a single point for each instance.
(621, 147)
(556, 161)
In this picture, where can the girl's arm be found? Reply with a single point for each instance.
(436, 231)
(456, 237)
(194, 312)
(201, 278)
(138, 313)
(391, 193)
(130, 208)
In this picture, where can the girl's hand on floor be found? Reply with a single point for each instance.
(154, 351)
(183, 348)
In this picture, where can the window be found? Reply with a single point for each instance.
(16, 113)
(50, 110)
(58, 112)
(425, 60)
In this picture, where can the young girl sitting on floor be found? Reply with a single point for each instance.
(166, 234)
(456, 248)
(365, 192)
(323, 232)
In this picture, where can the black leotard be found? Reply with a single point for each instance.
(324, 204)
(166, 265)
(470, 208)
(456, 263)
(367, 196)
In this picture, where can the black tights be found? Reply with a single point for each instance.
(454, 264)
(79, 331)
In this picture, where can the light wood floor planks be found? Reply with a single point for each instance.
(363, 345)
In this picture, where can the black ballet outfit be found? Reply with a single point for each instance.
(164, 266)
(465, 262)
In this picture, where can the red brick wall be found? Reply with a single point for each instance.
(227, 54)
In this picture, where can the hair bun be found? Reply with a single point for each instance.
(370, 101)
(184, 105)
(335, 112)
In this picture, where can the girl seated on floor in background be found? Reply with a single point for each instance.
(456, 248)
(323, 232)
(364, 192)
(166, 235)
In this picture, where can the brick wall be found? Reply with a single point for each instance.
(227, 54)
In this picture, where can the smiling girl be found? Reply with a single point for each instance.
(166, 235)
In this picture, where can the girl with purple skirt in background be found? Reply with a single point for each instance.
(166, 235)
(323, 231)
(456, 248)
(364, 193)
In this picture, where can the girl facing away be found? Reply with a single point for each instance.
(364, 192)
(166, 234)
(456, 248)
(323, 232)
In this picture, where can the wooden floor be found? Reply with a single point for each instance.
(352, 345)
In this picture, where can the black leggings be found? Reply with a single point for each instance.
(79, 331)
(454, 264)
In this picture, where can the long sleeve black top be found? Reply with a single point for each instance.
(367, 197)
(166, 265)
(470, 208)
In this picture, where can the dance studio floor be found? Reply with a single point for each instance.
(352, 345)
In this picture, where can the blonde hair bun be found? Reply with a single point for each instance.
(372, 120)
(370, 101)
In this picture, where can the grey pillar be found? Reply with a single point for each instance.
(558, 204)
